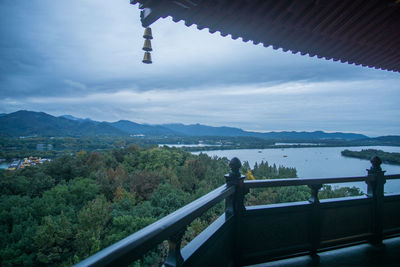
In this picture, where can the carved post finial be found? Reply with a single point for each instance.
(376, 175)
(375, 172)
(376, 164)
(235, 165)
(234, 174)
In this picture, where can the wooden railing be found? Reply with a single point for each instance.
(254, 234)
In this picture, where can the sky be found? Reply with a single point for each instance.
(83, 58)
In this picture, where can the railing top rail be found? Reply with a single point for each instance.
(131, 247)
(392, 176)
(308, 181)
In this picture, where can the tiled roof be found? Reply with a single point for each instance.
(365, 32)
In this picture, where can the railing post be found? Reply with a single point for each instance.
(376, 181)
(234, 205)
(315, 224)
(174, 257)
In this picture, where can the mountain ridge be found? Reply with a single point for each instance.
(30, 123)
(144, 129)
(27, 123)
(70, 117)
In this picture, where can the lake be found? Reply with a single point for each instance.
(4, 165)
(316, 162)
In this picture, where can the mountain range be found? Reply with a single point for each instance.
(30, 123)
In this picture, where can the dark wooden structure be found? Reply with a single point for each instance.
(361, 32)
(255, 234)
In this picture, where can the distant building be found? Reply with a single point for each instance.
(14, 165)
(26, 162)
(44, 147)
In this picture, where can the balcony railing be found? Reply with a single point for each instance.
(254, 234)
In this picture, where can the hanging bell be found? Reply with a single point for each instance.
(147, 33)
(147, 45)
(147, 58)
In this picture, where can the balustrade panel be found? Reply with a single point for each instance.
(345, 220)
(391, 215)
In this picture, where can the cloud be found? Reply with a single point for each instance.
(84, 58)
(75, 84)
(99, 43)
(331, 106)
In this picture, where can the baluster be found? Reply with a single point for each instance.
(174, 257)
(234, 205)
(314, 193)
(315, 224)
(376, 181)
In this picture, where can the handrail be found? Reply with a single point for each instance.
(392, 176)
(309, 181)
(135, 245)
(301, 181)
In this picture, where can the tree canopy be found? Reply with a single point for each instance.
(62, 211)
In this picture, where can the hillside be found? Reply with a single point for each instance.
(136, 128)
(70, 117)
(316, 135)
(29, 123)
(204, 130)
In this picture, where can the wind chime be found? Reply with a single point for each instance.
(147, 45)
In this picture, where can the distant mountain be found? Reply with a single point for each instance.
(29, 123)
(389, 140)
(317, 135)
(129, 127)
(72, 118)
(136, 128)
(204, 130)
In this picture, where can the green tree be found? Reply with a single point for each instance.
(53, 239)
(93, 221)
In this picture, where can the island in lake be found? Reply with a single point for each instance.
(386, 157)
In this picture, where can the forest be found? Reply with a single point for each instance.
(63, 211)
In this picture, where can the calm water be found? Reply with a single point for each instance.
(316, 162)
(4, 165)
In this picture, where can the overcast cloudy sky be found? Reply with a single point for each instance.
(83, 57)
